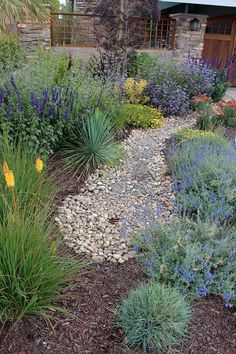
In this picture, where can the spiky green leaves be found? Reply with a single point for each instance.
(92, 144)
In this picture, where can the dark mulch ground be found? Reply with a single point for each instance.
(93, 301)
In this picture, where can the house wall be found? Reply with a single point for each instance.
(187, 42)
(191, 42)
(83, 5)
(31, 34)
(211, 11)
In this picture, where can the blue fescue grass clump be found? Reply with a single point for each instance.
(197, 258)
(154, 317)
(204, 173)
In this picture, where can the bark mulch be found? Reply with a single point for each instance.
(93, 301)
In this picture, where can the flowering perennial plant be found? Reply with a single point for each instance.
(172, 87)
(197, 258)
(38, 121)
(141, 116)
(200, 99)
(39, 165)
(170, 98)
(211, 115)
(134, 90)
(188, 134)
(202, 77)
(42, 114)
(204, 173)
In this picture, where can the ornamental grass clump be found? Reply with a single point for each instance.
(154, 317)
(92, 145)
(32, 186)
(33, 273)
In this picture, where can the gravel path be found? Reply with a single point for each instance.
(118, 201)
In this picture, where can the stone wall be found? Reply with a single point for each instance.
(31, 34)
(82, 5)
(187, 42)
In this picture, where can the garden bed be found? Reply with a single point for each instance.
(93, 300)
(115, 199)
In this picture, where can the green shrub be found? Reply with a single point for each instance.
(61, 70)
(211, 116)
(92, 144)
(140, 64)
(221, 84)
(12, 56)
(204, 120)
(141, 116)
(227, 119)
(198, 258)
(33, 273)
(154, 317)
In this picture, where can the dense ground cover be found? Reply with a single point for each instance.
(56, 104)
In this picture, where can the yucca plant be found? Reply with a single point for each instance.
(154, 317)
(33, 272)
(92, 144)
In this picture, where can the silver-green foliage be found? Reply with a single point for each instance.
(92, 144)
(154, 317)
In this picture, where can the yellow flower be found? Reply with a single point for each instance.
(9, 177)
(53, 247)
(5, 167)
(39, 165)
(134, 90)
(116, 89)
(190, 134)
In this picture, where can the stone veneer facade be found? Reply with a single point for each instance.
(187, 42)
(31, 34)
(82, 5)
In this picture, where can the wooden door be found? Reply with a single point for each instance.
(220, 43)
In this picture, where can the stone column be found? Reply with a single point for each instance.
(187, 42)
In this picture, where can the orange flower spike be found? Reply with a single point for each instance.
(39, 165)
(5, 167)
(10, 180)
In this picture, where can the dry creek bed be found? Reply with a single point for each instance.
(117, 201)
